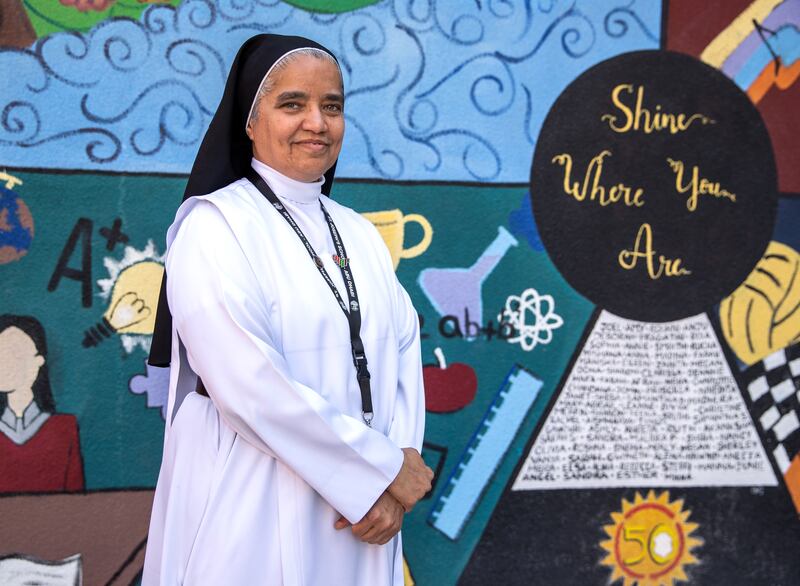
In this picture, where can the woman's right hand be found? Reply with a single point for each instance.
(413, 481)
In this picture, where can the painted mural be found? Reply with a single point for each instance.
(594, 206)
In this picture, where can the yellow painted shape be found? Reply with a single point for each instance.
(737, 31)
(763, 314)
(391, 225)
(650, 541)
(132, 309)
(10, 180)
(407, 579)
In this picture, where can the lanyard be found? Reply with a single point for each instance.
(352, 310)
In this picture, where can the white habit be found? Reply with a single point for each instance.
(254, 478)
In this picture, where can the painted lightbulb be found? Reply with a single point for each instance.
(132, 306)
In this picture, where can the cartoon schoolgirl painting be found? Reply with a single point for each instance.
(39, 450)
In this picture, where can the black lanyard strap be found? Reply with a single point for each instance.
(352, 309)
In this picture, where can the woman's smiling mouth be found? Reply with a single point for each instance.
(312, 145)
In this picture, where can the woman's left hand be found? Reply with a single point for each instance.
(382, 522)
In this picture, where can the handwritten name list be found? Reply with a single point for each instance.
(648, 404)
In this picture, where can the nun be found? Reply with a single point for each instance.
(296, 406)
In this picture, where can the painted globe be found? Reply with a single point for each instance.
(16, 226)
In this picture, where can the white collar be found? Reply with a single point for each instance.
(30, 413)
(288, 188)
(20, 429)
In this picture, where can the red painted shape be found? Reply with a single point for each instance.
(449, 389)
(692, 26)
(48, 462)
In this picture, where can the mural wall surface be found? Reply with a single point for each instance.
(594, 205)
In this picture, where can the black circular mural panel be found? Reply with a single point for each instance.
(653, 185)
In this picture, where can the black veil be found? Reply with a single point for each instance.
(226, 150)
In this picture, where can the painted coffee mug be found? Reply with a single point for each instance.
(391, 225)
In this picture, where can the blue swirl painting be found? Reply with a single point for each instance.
(453, 91)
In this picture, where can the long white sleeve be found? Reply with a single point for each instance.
(223, 322)
(408, 425)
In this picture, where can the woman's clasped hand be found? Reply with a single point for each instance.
(384, 520)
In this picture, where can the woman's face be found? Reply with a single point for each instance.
(300, 123)
(19, 360)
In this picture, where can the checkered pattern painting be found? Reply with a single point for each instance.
(773, 397)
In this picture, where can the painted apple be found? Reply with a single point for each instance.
(448, 388)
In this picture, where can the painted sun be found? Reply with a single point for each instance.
(650, 542)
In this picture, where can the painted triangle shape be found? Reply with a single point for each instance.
(648, 404)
